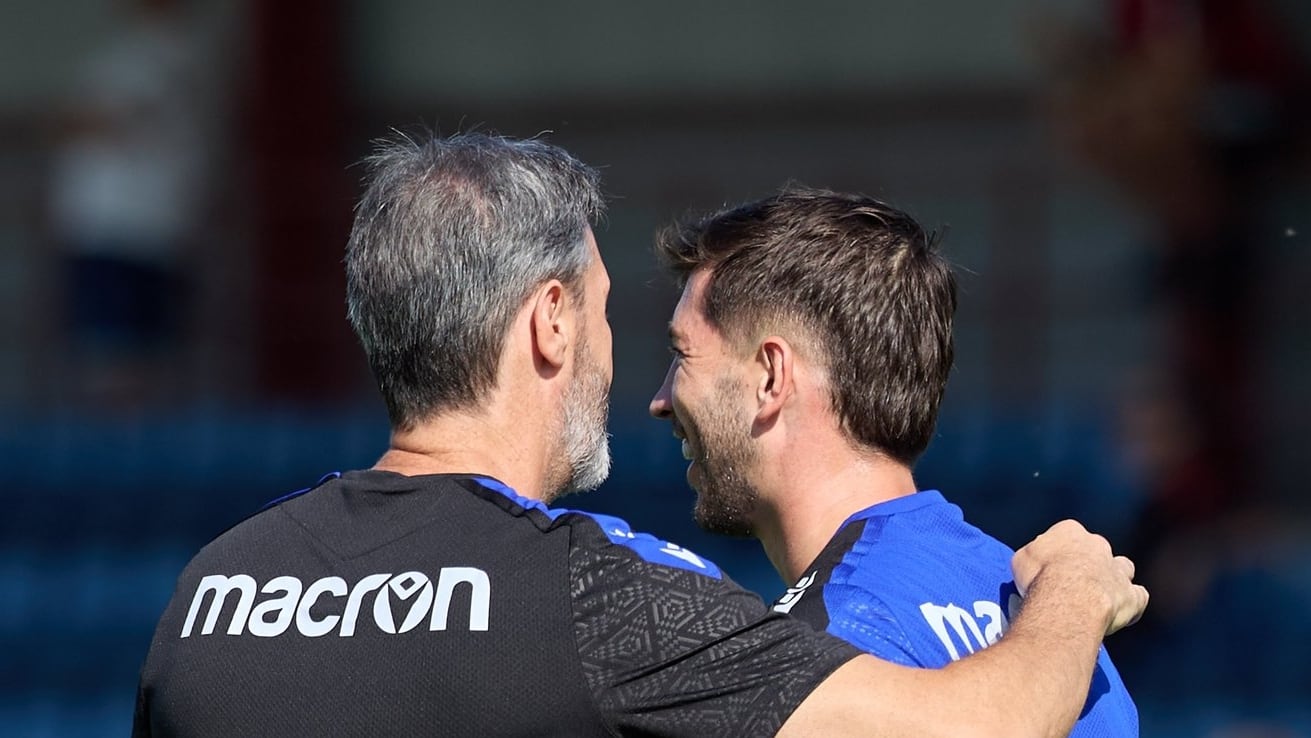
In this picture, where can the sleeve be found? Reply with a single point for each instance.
(141, 716)
(863, 620)
(666, 650)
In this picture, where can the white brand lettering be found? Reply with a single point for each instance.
(221, 586)
(679, 552)
(363, 587)
(965, 626)
(791, 597)
(305, 623)
(412, 597)
(284, 606)
(405, 586)
(479, 598)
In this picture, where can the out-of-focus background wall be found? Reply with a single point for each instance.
(1125, 185)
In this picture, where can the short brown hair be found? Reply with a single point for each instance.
(861, 278)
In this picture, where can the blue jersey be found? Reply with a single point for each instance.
(910, 581)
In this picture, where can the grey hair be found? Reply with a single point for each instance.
(450, 238)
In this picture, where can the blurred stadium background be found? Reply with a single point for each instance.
(1124, 184)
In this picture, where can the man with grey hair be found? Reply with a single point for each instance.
(438, 594)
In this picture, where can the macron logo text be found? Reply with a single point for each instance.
(400, 603)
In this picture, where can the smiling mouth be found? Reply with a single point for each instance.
(686, 446)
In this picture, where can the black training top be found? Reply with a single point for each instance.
(379, 604)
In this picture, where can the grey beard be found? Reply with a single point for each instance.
(584, 437)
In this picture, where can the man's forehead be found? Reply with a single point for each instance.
(694, 290)
(690, 311)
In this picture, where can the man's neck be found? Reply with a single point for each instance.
(460, 443)
(809, 503)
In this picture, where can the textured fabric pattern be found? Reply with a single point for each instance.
(378, 604)
(672, 652)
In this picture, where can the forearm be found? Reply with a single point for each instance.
(1033, 682)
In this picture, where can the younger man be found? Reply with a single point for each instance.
(811, 350)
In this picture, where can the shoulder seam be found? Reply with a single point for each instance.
(592, 696)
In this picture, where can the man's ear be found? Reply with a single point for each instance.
(552, 323)
(775, 378)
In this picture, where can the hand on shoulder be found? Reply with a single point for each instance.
(1085, 570)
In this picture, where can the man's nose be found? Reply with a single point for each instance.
(662, 405)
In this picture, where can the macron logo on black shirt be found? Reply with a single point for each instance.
(400, 602)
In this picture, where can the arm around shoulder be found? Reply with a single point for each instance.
(1031, 683)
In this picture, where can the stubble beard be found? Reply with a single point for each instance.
(726, 501)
